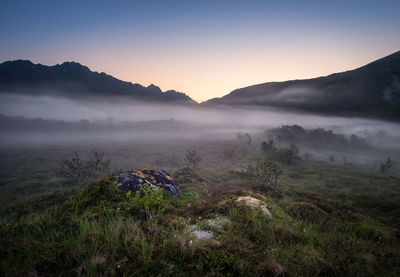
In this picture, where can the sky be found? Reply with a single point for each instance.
(205, 49)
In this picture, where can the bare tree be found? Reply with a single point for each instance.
(247, 137)
(76, 169)
(192, 158)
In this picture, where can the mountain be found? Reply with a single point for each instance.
(369, 91)
(76, 81)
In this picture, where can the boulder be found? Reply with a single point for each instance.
(254, 203)
(155, 178)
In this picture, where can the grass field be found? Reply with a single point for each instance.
(328, 219)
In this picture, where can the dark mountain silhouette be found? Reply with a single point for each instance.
(76, 81)
(369, 91)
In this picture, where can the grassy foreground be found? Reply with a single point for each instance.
(326, 221)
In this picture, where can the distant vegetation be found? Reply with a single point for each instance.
(386, 166)
(285, 155)
(316, 138)
(19, 124)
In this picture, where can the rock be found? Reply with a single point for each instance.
(155, 178)
(201, 231)
(254, 203)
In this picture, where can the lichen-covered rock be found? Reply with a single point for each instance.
(155, 178)
(254, 203)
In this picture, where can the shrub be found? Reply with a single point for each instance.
(307, 156)
(247, 138)
(147, 201)
(287, 156)
(386, 165)
(192, 158)
(78, 170)
(268, 147)
(265, 171)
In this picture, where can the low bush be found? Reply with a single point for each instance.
(79, 170)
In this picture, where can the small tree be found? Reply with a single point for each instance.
(78, 170)
(265, 171)
(286, 156)
(388, 163)
(192, 158)
(307, 156)
(247, 138)
(386, 166)
(268, 147)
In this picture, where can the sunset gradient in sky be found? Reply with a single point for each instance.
(203, 48)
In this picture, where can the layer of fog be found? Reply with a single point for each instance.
(193, 122)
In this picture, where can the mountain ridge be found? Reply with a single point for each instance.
(74, 80)
(372, 90)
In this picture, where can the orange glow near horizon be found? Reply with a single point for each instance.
(205, 76)
(205, 50)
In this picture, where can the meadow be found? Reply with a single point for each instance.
(332, 213)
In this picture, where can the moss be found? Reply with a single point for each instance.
(277, 212)
(102, 192)
(307, 212)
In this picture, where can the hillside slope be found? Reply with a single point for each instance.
(371, 91)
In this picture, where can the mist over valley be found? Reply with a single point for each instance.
(200, 138)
